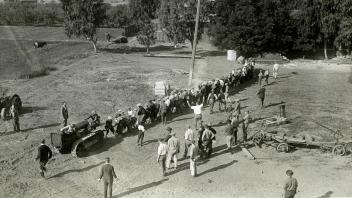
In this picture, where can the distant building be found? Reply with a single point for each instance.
(22, 1)
(116, 2)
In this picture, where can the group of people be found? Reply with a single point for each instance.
(197, 143)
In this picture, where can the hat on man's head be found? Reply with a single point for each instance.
(172, 133)
(139, 105)
(168, 128)
(289, 172)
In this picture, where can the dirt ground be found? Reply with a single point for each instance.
(109, 81)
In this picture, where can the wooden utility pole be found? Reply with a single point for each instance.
(191, 69)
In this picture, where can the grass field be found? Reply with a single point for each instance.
(112, 80)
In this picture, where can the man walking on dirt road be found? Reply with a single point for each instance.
(261, 95)
(64, 112)
(229, 133)
(44, 154)
(173, 149)
(290, 185)
(107, 172)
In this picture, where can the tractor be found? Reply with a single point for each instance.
(78, 138)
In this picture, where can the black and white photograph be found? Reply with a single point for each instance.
(175, 98)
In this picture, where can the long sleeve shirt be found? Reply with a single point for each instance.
(107, 172)
(44, 153)
(189, 135)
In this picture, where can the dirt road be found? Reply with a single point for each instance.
(106, 82)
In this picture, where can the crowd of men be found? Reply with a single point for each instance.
(197, 142)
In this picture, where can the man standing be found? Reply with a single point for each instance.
(211, 100)
(193, 155)
(163, 112)
(266, 76)
(290, 185)
(229, 133)
(174, 148)
(246, 120)
(64, 112)
(44, 154)
(141, 131)
(107, 172)
(207, 139)
(261, 95)
(16, 120)
(189, 137)
(222, 100)
(197, 110)
(162, 151)
(275, 70)
(235, 122)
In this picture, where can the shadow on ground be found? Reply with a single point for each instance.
(141, 188)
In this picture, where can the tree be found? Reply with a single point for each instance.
(344, 36)
(242, 26)
(143, 13)
(146, 35)
(83, 17)
(117, 16)
(177, 19)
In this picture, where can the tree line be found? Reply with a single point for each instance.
(251, 27)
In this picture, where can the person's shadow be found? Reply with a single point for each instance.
(75, 170)
(140, 188)
(326, 195)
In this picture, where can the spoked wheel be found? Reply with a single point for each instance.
(282, 147)
(349, 147)
(339, 150)
(258, 138)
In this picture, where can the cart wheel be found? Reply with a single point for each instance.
(3, 114)
(349, 147)
(339, 150)
(258, 138)
(282, 147)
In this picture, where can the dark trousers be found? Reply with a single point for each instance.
(108, 129)
(163, 118)
(163, 163)
(107, 187)
(262, 102)
(244, 130)
(235, 136)
(16, 124)
(64, 122)
(140, 138)
(289, 194)
(207, 147)
(42, 167)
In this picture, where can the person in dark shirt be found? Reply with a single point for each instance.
(222, 101)
(261, 95)
(108, 126)
(290, 185)
(142, 114)
(107, 173)
(44, 154)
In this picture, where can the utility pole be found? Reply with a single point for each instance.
(191, 69)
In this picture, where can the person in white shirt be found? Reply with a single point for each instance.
(197, 110)
(189, 137)
(275, 70)
(162, 151)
